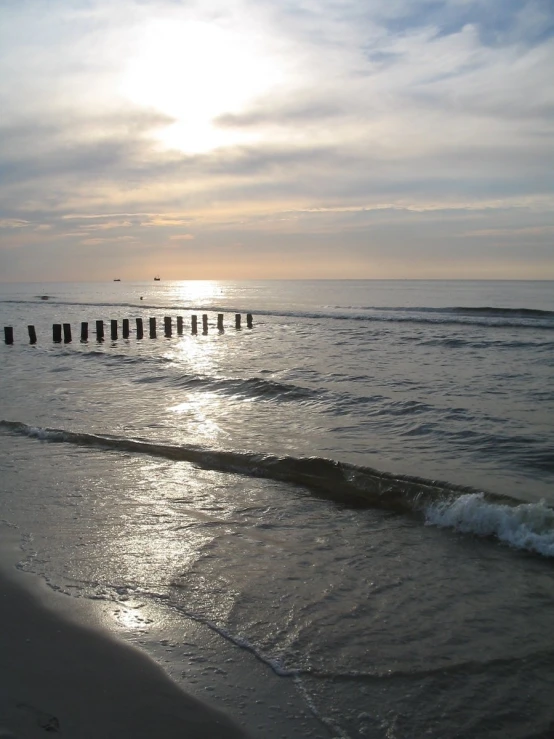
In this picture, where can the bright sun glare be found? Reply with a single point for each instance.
(195, 71)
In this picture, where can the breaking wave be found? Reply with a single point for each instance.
(527, 526)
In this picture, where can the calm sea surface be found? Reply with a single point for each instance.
(342, 516)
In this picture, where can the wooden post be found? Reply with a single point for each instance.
(140, 329)
(180, 325)
(8, 334)
(237, 320)
(167, 326)
(32, 334)
(84, 331)
(220, 322)
(249, 320)
(125, 328)
(99, 330)
(113, 329)
(204, 323)
(57, 333)
(67, 333)
(152, 328)
(194, 324)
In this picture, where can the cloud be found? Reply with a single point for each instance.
(376, 118)
(114, 240)
(499, 22)
(516, 232)
(106, 225)
(159, 219)
(289, 112)
(13, 223)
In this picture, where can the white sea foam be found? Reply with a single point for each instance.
(527, 526)
(36, 432)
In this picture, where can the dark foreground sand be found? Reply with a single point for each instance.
(60, 677)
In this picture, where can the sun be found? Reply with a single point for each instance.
(194, 71)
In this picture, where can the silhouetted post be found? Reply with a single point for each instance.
(113, 329)
(237, 320)
(57, 333)
(180, 325)
(84, 331)
(140, 329)
(152, 328)
(249, 320)
(99, 330)
(204, 323)
(32, 335)
(67, 333)
(220, 321)
(167, 326)
(194, 324)
(125, 328)
(8, 334)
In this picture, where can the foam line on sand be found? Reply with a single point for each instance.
(62, 677)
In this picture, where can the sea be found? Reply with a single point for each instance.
(335, 522)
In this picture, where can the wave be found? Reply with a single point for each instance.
(460, 310)
(528, 526)
(459, 343)
(250, 387)
(140, 306)
(117, 359)
(52, 300)
(484, 316)
(492, 311)
(527, 451)
(405, 417)
(461, 430)
(524, 451)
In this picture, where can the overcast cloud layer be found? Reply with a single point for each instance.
(242, 138)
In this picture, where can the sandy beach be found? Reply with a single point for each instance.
(61, 676)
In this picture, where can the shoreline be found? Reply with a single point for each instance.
(61, 673)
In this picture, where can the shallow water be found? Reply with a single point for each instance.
(298, 490)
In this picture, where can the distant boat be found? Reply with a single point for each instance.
(157, 278)
(116, 279)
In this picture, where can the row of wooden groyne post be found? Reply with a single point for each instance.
(62, 331)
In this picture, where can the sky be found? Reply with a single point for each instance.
(239, 139)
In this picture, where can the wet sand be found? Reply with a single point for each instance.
(61, 676)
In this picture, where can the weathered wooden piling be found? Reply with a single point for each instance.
(62, 331)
